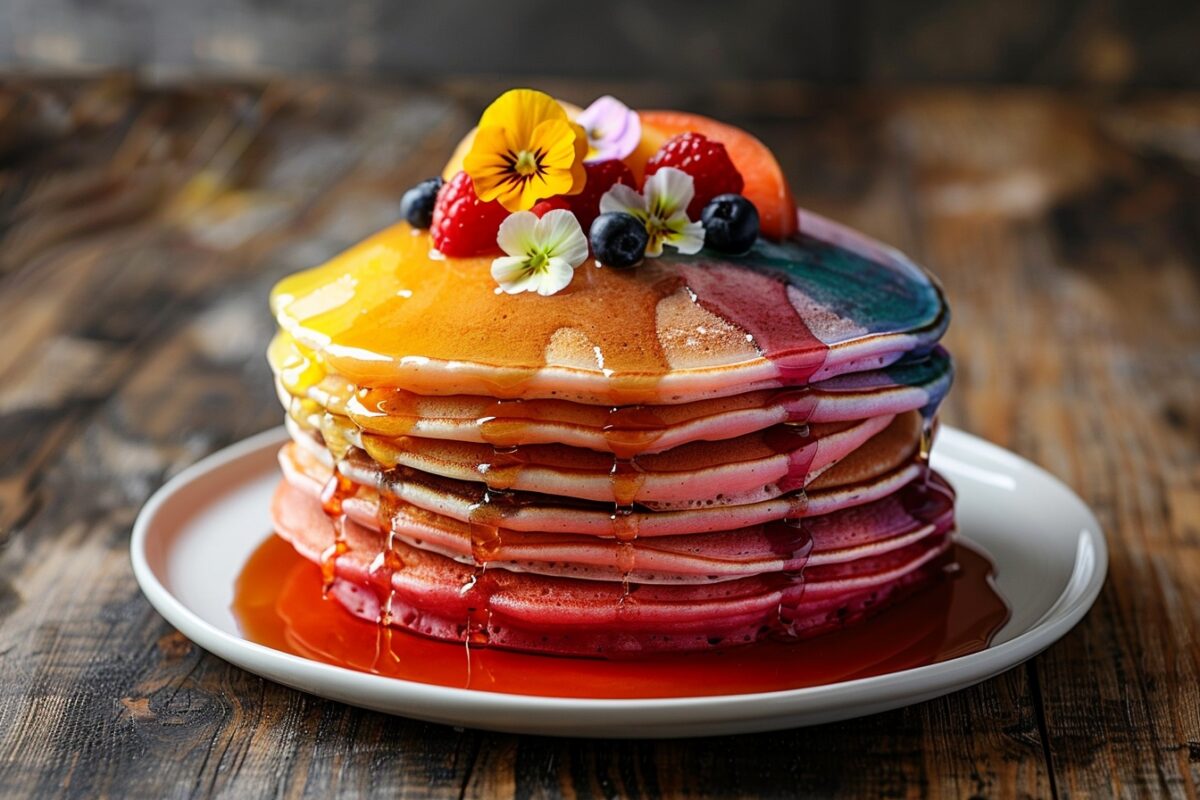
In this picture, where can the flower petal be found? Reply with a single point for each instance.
(613, 130)
(624, 199)
(561, 160)
(512, 273)
(686, 237)
(517, 235)
(555, 277)
(485, 163)
(561, 237)
(578, 171)
(520, 111)
(668, 191)
(525, 149)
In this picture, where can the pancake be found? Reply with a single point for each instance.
(752, 467)
(439, 597)
(838, 537)
(306, 387)
(887, 462)
(821, 304)
(577, 450)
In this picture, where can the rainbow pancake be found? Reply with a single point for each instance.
(597, 398)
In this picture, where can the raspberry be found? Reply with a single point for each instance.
(550, 204)
(463, 225)
(601, 176)
(705, 160)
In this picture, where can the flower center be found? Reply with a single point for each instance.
(537, 261)
(657, 229)
(526, 164)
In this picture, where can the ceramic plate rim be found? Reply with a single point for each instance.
(783, 708)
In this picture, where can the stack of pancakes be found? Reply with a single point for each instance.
(702, 452)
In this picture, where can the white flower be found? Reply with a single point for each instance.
(662, 208)
(542, 253)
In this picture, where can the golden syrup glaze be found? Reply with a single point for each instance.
(336, 491)
(391, 312)
(387, 300)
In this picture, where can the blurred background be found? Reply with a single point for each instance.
(1153, 43)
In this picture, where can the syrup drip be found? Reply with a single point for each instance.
(791, 540)
(799, 404)
(500, 473)
(334, 435)
(299, 369)
(382, 569)
(485, 519)
(387, 562)
(394, 409)
(797, 504)
(625, 531)
(336, 490)
(925, 447)
(627, 481)
(631, 430)
(304, 411)
(478, 591)
(504, 423)
(795, 440)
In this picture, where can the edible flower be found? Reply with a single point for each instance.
(613, 129)
(662, 208)
(542, 253)
(526, 149)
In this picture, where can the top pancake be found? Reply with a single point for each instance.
(829, 301)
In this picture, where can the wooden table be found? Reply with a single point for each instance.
(142, 225)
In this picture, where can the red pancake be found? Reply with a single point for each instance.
(437, 596)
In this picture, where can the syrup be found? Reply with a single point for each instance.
(631, 430)
(795, 440)
(278, 603)
(485, 520)
(628, 431)
(336, 490)
(369, 314)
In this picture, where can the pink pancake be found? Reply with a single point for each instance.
(626, 431)
(867, 474)
(440, 597)
(841, 536)
(752, 467)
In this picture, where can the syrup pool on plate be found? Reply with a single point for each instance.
(278, 602)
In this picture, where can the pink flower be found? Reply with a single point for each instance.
(613, 129)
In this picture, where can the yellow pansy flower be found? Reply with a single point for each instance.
(525, 150)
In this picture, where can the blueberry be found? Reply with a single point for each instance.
(730, 223)
(416, 207)
(618, 240)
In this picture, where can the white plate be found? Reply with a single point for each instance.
(196, 532)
